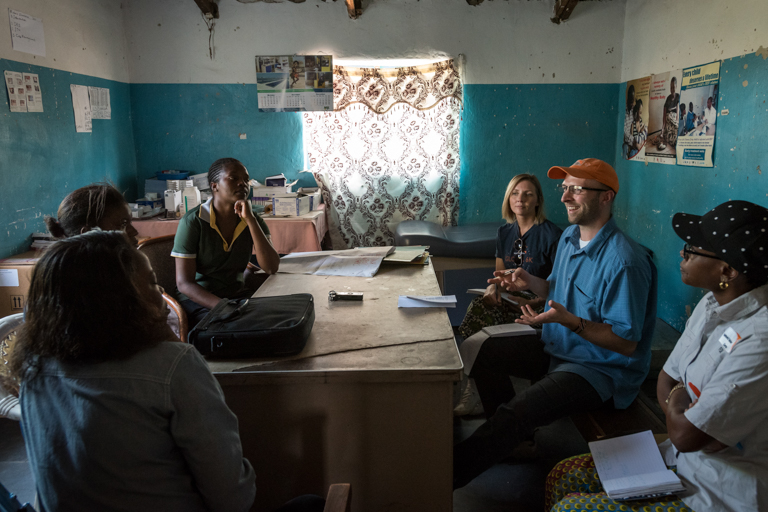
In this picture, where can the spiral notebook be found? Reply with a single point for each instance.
(631, 468)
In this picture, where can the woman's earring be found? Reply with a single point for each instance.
(723, 284)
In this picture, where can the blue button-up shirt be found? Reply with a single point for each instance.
(612, 280)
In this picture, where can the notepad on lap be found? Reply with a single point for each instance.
(495, 331)
(504, 295)
(631, 467)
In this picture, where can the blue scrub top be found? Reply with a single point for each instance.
(539, 247)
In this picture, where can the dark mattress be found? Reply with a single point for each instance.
(471, 241)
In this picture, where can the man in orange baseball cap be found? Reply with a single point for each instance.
(595, 345)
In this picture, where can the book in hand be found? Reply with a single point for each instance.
(631, 467)
(504, 295)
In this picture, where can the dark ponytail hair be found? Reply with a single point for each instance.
(84, 306)
(630, 96)
(217, 168)
(84, 208)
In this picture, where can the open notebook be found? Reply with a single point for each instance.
(631, 467)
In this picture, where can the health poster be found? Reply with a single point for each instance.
(636, 119)
(14, 83)
(698, 91)
(296, 83)
(33, 93)
(664, 118)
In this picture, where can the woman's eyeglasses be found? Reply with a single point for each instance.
(688, 250)
(518, 253)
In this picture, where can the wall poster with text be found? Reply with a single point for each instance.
(664, 118)
(698, 92)
(636, 119)
(294, 83)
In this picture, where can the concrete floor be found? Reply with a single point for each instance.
(517, 487)
(15, 474)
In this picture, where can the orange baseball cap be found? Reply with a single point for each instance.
(588, 169)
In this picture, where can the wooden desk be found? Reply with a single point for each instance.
(378, 415)
(289, 234)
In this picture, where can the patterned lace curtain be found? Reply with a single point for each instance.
(388, 152)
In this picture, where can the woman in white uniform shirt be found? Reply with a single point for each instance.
(714, 385)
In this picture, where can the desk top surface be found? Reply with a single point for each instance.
(363, 337)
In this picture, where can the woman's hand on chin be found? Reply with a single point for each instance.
(243, 209)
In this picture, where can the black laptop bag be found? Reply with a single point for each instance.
(256, 327)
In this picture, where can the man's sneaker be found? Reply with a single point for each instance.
(470, 404)
(661, 147)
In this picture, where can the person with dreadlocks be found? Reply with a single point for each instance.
(214, 243)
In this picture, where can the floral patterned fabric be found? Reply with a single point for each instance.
(573, 485)
(388, 153)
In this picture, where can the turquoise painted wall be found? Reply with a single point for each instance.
(651, 194)
(43, 158)
(189, 126)
(511, 129)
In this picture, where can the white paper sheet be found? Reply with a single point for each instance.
(14, 84)
(82, 107)
(33, 93)
(360, 262)
(417, 301)
(9, 277)
(27, 33)
(101, 107)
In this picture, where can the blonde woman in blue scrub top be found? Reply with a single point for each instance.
(714, 385)
(527, 240)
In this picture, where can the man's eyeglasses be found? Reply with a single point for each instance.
(577, 190)
(688, 250)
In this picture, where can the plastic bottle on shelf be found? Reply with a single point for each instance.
(190, 198)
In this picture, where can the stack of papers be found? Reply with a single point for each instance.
(424, 301)
(359, 262)
(41, 241)
(413, 255)
(631, 467)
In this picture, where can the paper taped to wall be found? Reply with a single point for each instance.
(33, 93)
(100, 105)
(82, 107)
(14, 83)
(27, 33)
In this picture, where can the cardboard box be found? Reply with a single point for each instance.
(292, 206)
(15, 274)
(200, 181)
(152, 203)
(314, 200)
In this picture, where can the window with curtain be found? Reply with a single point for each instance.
(388, 152)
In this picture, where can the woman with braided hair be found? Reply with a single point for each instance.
(214, 243)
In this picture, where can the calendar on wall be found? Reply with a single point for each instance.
(295, 83)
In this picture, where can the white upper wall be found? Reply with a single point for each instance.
(81, 36)
(509, 41)
(663, 35)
